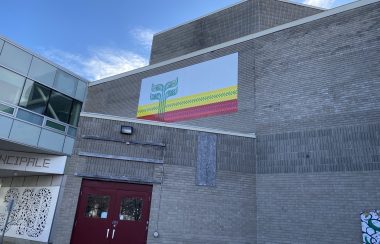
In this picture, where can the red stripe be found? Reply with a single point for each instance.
(196, 112)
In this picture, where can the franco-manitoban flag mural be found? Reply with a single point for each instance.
(200, 90)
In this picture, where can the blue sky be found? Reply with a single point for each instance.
(100, 38)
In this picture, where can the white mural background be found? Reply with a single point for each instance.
(32, 213)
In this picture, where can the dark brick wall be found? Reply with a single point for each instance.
(240, 20)
(344, 148)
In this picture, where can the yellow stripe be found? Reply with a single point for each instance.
(204, 98)
(199, 99)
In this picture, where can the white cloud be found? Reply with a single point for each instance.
(143, 36)
(100, 63)
(320, 3)
(103, 62)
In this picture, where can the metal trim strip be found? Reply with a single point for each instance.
(117, 157)
(169, 125)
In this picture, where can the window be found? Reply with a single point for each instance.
(130, 209)
(43, 100)
(6, 109)
(34, 97)
(42, 72)
(81, 90)
(65, 83)
(15, 58)
(11, 86)
(59, 107)
(75, 112)
(38, 98)
(97, 206)
(30, 117)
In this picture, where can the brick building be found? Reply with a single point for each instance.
(258, 123)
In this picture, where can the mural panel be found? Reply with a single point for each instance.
(200, 90)
(32, 213)
(371, 226)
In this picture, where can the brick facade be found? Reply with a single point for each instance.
(311, 94)
(245, 18)
(173, 182)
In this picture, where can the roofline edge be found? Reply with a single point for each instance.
(298, 22)
(33, 53)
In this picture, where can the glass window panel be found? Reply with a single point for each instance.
(71, 131)
(75, 112)
(81, 90)
(130, 209)
(29, 116)
(34, 97)
(15, 58)
(6, 109)
(97, 206)
(55, 125)
(65, 83)
(42, 72)
(59, 107)
(11, 85)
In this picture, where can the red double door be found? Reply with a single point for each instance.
(112, 213)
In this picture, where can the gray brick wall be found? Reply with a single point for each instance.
(320, 74)
(240, 20)
(65, 214)
(300, 208)
(185, 208)
(317, 113)
(311, 93)
(195, 214)
(345, 148)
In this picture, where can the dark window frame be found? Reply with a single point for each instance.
(70, 110)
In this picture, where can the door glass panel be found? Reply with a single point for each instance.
(97, 206)
(130, 209)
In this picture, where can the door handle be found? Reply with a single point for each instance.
(108, 231)
(113, 233)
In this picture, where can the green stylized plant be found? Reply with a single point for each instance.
(162, 92)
